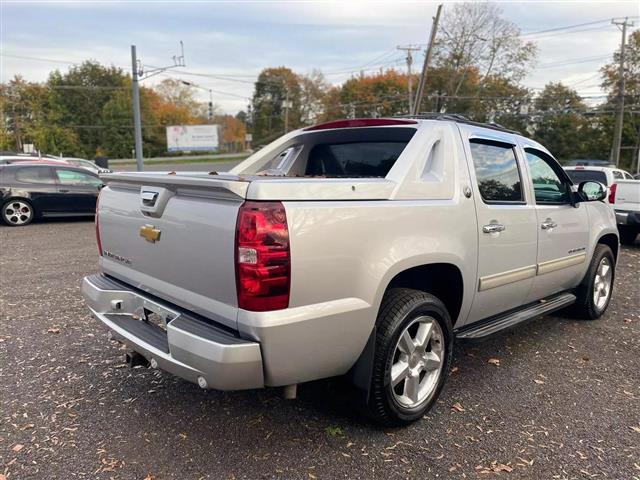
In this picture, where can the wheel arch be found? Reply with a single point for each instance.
(444, 280)
(612, 241)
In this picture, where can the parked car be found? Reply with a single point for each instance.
(30, 190)
(88, 164)
(359, 247)
(627, 208)
(623, 194)
(9, 160)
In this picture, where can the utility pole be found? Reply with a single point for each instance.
(138, 73)
(409, 49)
(617, 133)
(135, 97)
(425, 66)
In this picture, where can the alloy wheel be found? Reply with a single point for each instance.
(418, 359)
(17, 212)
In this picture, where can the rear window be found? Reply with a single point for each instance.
(579, 176)
(34, 175)
(340, 153)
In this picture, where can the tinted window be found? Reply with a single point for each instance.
(579, 176)
(547, 185)
(73, 177)
(496, 171)
(617, 175)
(34, 175)
(627, 176)
(362, 159)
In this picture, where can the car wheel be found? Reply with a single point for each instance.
(17, 212)
(414, 343)
(627, 235)
(594, 293)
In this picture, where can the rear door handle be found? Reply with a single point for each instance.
(547, 224)
(493, 228)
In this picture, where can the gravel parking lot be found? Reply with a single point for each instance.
(557, 398)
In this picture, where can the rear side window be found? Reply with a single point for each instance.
(579, 176)
(617, 175)
(496, 172)
(368, 152)
(34, 175)
(362, 159)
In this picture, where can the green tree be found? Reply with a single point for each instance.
(559, 122)
(610, 83)
(80, 96)
(273, 87)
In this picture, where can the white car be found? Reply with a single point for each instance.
(623, 194)
(605, 175)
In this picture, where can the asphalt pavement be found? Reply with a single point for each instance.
(555, 399)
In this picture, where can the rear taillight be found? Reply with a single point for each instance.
(263, 263)
(612, 193)
(98, 225)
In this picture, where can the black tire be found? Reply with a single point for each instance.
(585, 307)
(10, 220)
(400, 308)
(627, 235)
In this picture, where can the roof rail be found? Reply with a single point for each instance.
(456, 117)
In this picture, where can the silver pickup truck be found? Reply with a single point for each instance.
(356, 247)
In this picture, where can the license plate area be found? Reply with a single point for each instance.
(154, 315)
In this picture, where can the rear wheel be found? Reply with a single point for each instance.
(412, 356)
(17, 212)
(594, 293)
(627, 235)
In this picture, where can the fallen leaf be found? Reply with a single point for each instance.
(53, 330)
(494, 361)
(453, 370)
(457, 407)
(501, 467)
(636, 429)
(538, 381)
(17, 447)
(149, 477)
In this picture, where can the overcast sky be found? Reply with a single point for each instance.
(228, 43)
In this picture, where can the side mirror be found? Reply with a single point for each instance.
(590, 191)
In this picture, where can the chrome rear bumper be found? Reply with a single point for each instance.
(190, 347)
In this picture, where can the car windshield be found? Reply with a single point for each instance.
(579, 176)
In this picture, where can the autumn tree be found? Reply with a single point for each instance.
(474, 39)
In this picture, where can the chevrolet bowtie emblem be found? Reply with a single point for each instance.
(150, 233)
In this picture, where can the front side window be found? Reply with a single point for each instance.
(547, 184)
(34, 175)
(617, 175)
(496, 172)
(73, 177)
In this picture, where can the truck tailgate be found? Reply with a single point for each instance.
(628, 195)
(173, 236)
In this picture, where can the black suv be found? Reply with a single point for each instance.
(30, 190)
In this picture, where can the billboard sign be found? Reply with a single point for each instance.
(186, 138)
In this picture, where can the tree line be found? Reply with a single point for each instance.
(479, 64)
(87, 112)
